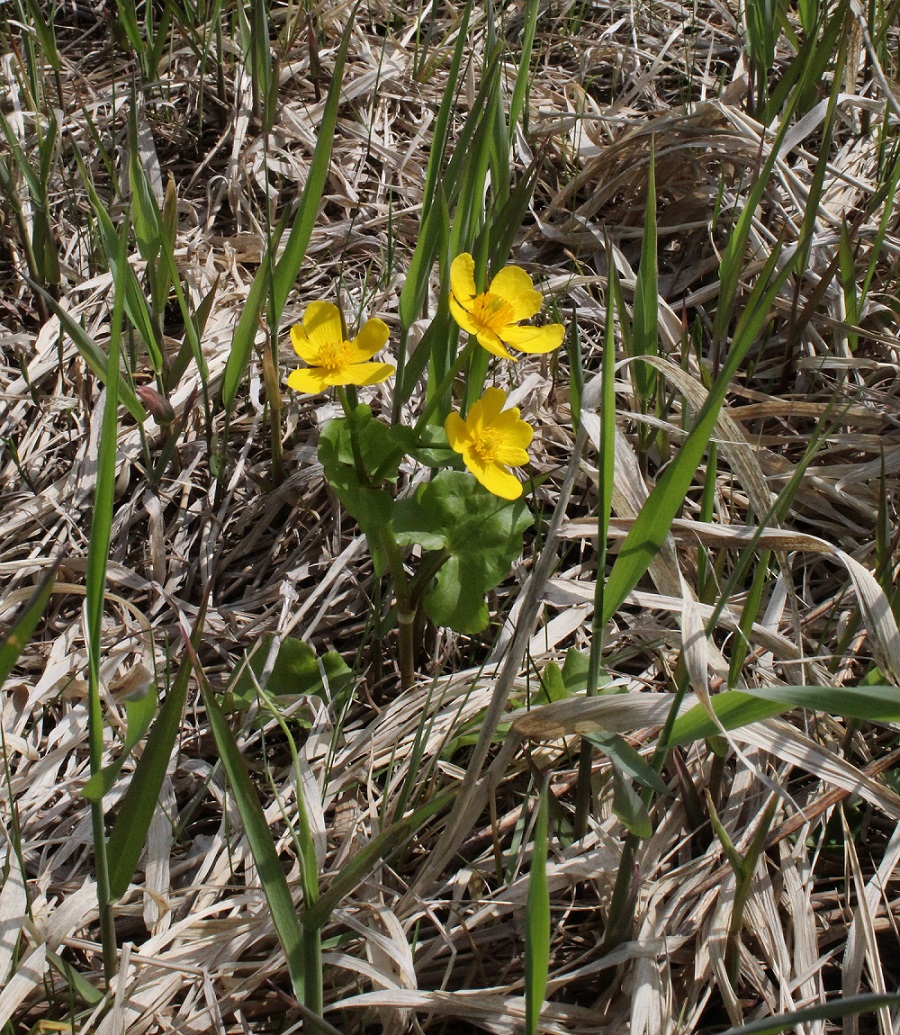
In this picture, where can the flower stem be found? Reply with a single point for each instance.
(406, 612)
(349, 407)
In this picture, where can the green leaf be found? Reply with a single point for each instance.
(78, 984)
(576, 671)
(481, 534)
(375, 448)
(434, 451)
(553, 687)
(296, 672)
(645, 318)
(736, 708)
(140, 707)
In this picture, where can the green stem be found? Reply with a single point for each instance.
(101, 866)
(619, 923)
(273, 394)
(429, 567)
(406, 612)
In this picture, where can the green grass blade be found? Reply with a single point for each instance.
(129, 833)
(506, 226)
(732, 255)
(733, 709)
(537, 921)
(145, 215)
(13, 643)
(268, 865)
(627, 760)
(866, 703)
(652, 524)
(289, 264)
(645, 319)
(441, 131)
(362, 864)
(95, 597)
(248, 325)
(45, 32)
(749, 614)
(92, 354)
(135, 302)
(128, 20)
(446, 191)
(140, 707)
(847, 1007)
(606, 466)
(523, 75)
(261, 63)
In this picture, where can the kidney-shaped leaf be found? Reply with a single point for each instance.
(481, 534)
(349, 475)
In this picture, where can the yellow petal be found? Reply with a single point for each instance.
(462, 278)
(322, 324)
(514, 286)
(518, 433)
(457, 433)
(534, 339)
(512, 455)
(488, 340)
(302, 345)
(363, 374)
(483, 411)
(496, 479)
(462, 317)
(308, 380)
(490, 405)
(372, 337)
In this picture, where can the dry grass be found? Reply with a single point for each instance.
(445, 953)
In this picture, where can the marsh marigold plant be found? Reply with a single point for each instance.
(491, 441)
(495, 316)
(331, 359)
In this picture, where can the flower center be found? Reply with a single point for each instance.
(487, 445)
(333, 356)
(491, 312)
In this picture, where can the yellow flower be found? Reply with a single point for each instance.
(493, 316)
(332, 359)
(491, 441)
